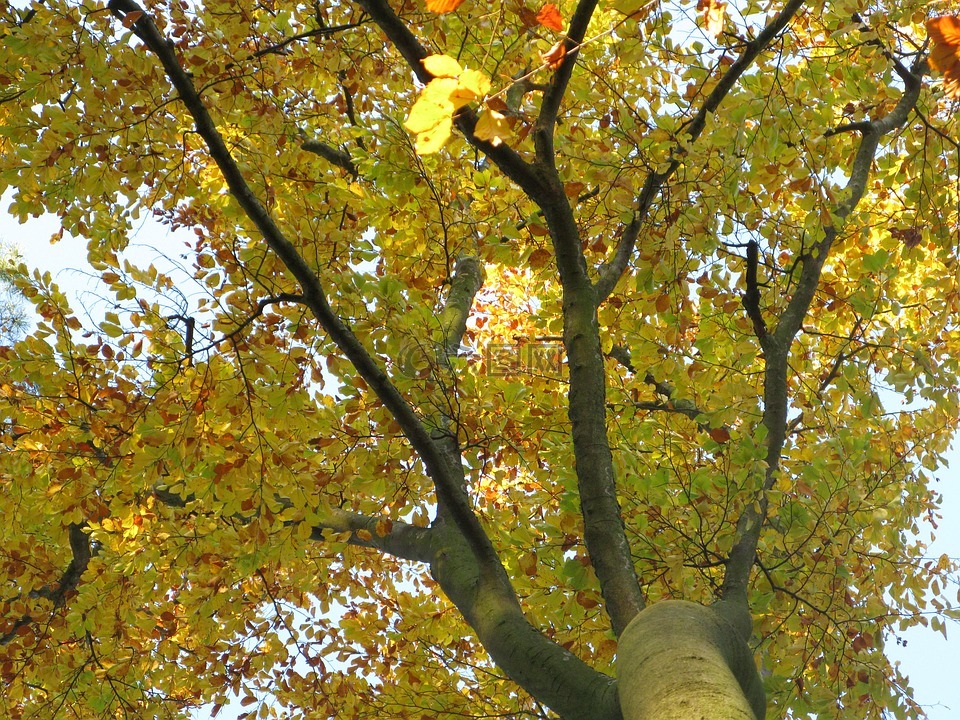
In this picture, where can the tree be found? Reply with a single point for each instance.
(13, 320)
(512, 339)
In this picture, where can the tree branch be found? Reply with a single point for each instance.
(777, 345)
(504, 157)
(613, 271)
(751, 298)
(336, 156)
(58, 593)
(399, 539)
(443, 476)
(553, 96)
(466, 283)
(315, 32)
(604, 530)
(393, 537)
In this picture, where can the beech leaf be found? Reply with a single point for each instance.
(944, 31)
(549, 16)
(443, 6)
(442, 66)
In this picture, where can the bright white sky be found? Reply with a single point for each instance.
(931, 662)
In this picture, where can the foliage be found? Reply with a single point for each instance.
(498, 322)
(13, 319)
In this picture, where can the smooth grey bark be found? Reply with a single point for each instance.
(678, 660)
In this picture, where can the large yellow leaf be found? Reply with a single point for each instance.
(433, 106)
(442, 66)
(430, 141)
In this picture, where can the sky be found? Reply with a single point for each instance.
(931, 662)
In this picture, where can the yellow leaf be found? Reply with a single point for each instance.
(493, 127)
(473, 82)
(433, 140)
(364, 535)
(442, 66)
(432, 107)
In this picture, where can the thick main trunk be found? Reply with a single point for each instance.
(681, 661)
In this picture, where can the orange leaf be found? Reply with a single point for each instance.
(945, 55)
(554, 56)
(443, 6)
(131, 17)
(549, 16)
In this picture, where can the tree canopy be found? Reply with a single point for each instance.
(13, 311)
(585, 359)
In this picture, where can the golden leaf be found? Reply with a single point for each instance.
(433, 106)
(473, 82)
(432, 140)
(442, 66)
(492, 127)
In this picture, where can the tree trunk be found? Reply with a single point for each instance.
(681, 661)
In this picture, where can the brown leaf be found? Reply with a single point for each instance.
(910, 237)
(719, 435)
(539, 258)
(131, 17)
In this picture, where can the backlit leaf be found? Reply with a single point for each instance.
(443, 6)
(554, 56)
(713, 15)
(493, 127)
(549, 16)
(442, 66)
(432, 140)
(944, 31)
